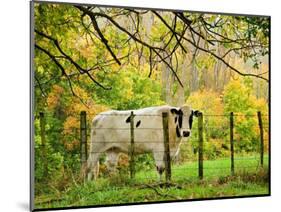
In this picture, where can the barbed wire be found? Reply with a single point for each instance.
(142, 128)
(257, 160)
(158, 114)
(161, 141)
(251, 160)
(175, 168)
(183, 167)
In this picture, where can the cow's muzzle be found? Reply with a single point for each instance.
(186, 133)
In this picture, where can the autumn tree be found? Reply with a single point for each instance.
(79, 40)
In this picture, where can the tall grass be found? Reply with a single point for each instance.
(249, 179)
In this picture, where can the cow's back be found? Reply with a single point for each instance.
(113, 128)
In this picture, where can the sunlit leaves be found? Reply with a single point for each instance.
(238, 98)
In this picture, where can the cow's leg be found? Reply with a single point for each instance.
(93, 166)
(96, 170)
(111, 160)
(159, 162)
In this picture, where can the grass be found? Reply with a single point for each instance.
(249, 179)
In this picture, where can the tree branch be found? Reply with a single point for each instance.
(155, 49)
(103, 39)
(188, 23)
(77, 66)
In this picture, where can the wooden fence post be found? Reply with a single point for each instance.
(167, 159)
(132, 147)
(231, 143)
(43, 143)
(261, 138)
(200, 145)
(83, 138)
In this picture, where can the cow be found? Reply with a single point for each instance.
(110, 134)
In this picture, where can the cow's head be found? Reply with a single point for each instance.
(183, 118)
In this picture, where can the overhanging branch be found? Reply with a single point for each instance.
(155, 49)
(76, 65)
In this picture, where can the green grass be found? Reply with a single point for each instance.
(249, 179)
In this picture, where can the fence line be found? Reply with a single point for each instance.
(83, 136)
(167, 159)
(175, 167)
(231, 122)
(200, 145)
(150, 152)
(160, 115)
(201, 128)
(207, 127)
(155, 142)
(241, 159)
(43, 140)
(132, 147)
(261, 137)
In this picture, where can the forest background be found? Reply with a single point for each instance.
(95, 59)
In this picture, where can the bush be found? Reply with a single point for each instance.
(215, 127)
(238, 98)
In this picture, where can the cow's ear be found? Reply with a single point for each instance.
(174, 111)
(196, 112)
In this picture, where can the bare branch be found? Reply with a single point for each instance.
(40, 86)
(170, 28)
(62, 69)
(77, 66)
(103, 39)
(155, 49)
(150, 63)
(188, 23)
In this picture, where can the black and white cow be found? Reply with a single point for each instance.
(110, 133)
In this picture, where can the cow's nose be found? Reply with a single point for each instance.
(186, 133)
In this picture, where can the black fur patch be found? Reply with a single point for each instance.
(180, 118)
(196, 113)
(178, 132)
(138, 123)
(190, 119)
(128, 120)
(175, 111)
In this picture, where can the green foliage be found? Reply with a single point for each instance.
(239, 99)
(54, 159)
(215, 127)
(63, 94)
(130, 90)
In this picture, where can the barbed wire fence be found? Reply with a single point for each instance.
(84, 143)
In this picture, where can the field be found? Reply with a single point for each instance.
(249, 179)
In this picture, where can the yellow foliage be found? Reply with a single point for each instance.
(70, 146)
(70, 123)
(128, 83)
(53, 98)
(206, 101)
(71, 106)
(83, 45)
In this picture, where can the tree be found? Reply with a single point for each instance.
(80, 40)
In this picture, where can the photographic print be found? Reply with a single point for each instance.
(141, 105)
